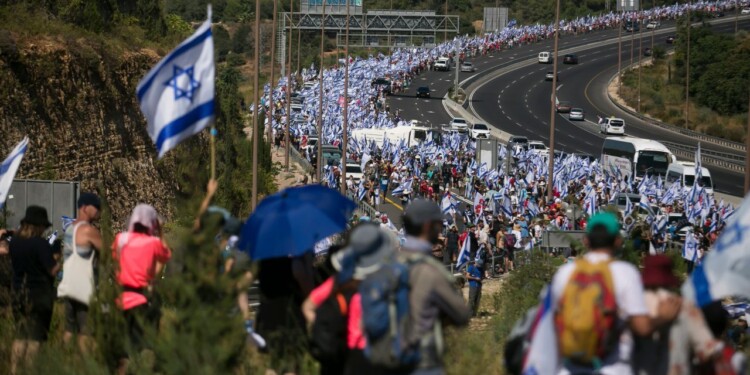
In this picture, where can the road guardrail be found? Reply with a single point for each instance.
(718, 159)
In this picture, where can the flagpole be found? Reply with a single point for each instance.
(345, 126)
(553, 113)
(271, 106)
(213, 152)
(747, 151)
(287, 140)
(319, 146)
(256, 107)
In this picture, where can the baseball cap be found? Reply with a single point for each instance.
(606, 219)
(422, 211)
(89, 199)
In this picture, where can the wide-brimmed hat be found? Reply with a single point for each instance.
(368, 247)
(658, 272)
(36, 215)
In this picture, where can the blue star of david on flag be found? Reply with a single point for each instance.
(183, 82)
(177, 95)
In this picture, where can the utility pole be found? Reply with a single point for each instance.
(320, 144)
(736, 17)
(271, 106)
(640, 54)
(287, 140)
(653, 5)
(553, 112)
(747, 150)
(256, 107)
(299, 40)
(345, 139)
(632, 39)
(687, 70)
(619, 51)
(445, 34)
(458, 67)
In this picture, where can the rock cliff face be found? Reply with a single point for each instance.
(76, 102)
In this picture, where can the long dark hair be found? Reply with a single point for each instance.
(30, 231)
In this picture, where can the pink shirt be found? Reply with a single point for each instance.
(355, 338)
(137, 258)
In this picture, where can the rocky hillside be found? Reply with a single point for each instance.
(75, 100)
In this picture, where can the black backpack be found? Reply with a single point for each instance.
(329, 331)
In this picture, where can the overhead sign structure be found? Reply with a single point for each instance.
(628, 5)
(494, 19)
(487, 153)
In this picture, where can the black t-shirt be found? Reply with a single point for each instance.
(32, 261)
(452, 238)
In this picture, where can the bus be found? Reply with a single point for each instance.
(645, 156)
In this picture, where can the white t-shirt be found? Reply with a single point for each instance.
(630, 298)
(519, 237)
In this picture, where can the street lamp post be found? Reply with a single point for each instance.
(287, 141)
(640, 54)
(256, 107)
(687, 70)
(345, 126)
(271, 106)
(319, 146)
(553, 114)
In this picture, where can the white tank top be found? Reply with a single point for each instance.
(83, 250)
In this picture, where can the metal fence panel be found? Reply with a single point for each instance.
(551, 239)
(58, 197)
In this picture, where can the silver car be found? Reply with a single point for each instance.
(468, 67)
(576, 114)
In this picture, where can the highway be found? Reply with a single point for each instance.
(518, 102)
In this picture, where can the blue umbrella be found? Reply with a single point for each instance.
(292, 221)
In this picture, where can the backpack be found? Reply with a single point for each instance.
(587, 313)
(329, 331)
(385, 315)
(510, 241)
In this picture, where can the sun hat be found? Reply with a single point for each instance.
(37, 216)
(658, 272)
(368, 247)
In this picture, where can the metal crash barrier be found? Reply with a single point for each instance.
(561, 239)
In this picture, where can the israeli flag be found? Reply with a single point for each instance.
(9, 167)
(724, 270)
(177, 95)
(447, 205)
(463, 255)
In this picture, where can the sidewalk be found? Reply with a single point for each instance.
(284, 179)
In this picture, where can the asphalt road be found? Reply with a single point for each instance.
(518, 103)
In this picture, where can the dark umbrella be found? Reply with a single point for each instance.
(292, 221)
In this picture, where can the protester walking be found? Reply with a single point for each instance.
(80, 244)
(334, 309)
(34, 270)
(587, 323)
(141, 255)
(433, 297)
(474, 274)
(451, 245)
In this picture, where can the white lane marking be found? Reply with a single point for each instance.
(430, 112)
(559, 87)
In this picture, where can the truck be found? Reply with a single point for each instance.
(412, 135)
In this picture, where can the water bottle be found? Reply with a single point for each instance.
(53, 238)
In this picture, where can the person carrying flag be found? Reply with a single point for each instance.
(587, 335)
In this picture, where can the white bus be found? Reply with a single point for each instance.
(646, 156)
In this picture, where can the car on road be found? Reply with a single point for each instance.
(549, 76)
(443, 64)
(312, 142)
(545, 57)
(459, 124)
(576, 114)
(631, 26)
(745, 11)
(648, 52)
(518, 142)
(468, 67)
(612, 125)
(563, 107)
(538, 147)
(355, 171)
(653, 25)
(671, 39)
(383, 84)
(423, 92)
(570, 59)
(477, 131)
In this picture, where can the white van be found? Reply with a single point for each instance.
(612, 125)
(684, 172)
(545, 57)
(443, 64)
